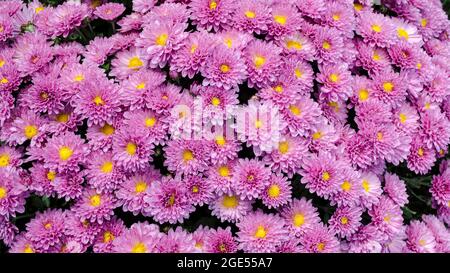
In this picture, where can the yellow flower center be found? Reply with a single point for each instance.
(278, 89)
(280, 19)
(376, 28)
(194, 189)
(224, 68)
(250, 177)
(298, 73)
(220, 140)
(28, 249)
(294, 44)
(320, 247)
(65, 153)
(419, 66)
(402, 117)
(62, 118)
(298, 219)
(326, 176)
(4, 160)
(30, 131)
(423, 22)
(51, 175)
(161, 40)
(38, 9)
(215, 101)
(171, 200)
(326, 45)
(260, 232)
(357, 6)
(108, 237)
(334, 105)
(401, 32)
(387, 218)
(388, 87)
(363, 94)
(3, 192)
(140, 86)
(366, 185)
(95, 200)
(139, 248)
(78, 78)
(283, 147)
(317, 135)
(376, 56)
(228, 42)
(258, 124)
(344, 220)
(334, 78)
(188, 155)
(346, 186)
(48, 225)
(150, 122)
(4, 80)
(140, 186)
(273, 191)
(427, 106)
(379, 136)
(193, 48)
(107, 167)
(230, 202)
(212, 5)
(2, 63)
(336, 17)
(98, 101)
(420, 152)
(131, 148)
(259, 61)
(250, 14)
(107, 130)
(135, 63)
(224, 171)
(295, 110)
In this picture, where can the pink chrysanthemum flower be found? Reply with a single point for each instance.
(298, 45)
(321, 174)
(421, 158)
(336, 80)
(233, 39)
(221, 177)
(395, 188)
(102, 173)
(12, 194)
(130, 22)
(65, 153)
(187, 157)
(345, 221)
(98, 50)
(8, 231)
(301, 116)
(128, 62)
(440, 188)
(300, 216)
(168, 201)
(176, 241)
(212, 14)
(437, 88)
(199, 189)
(406, 119)
(10, 158)
(329, 44)
(68, 186)
(372, 59)
(263, 63)
(365, 240)
(260, 232)
(230, 207)
(282, 92)
(161, 39)
(389, 88)
(66, 120)
(220, 241)
(46, 230)
(168, 12)
(300, 72)
(435, 130)
(250, 178)
(407, 32)
(8, 27)
(42, 180)
(371, 189)
(218, 104)
(132, 149)
(288, 157)
(376, 29)
(32, 52)
(440, 232)
(349, 191)
(132, 193)
(95, 207)
(224, 68)
(224, 150)
(319, 239)
(285, 20)
(341, 17)
(278, 192)
(200, 235)
(387, 217)
(164, 98)
(105, 238)
(311, 8)
(10, 78)
(109, 11)
(64, 18)
(44, 96)
(21, 245)
(101, 137)
(148, 123)
(404, 55)
(251, 16)
(143, 6)
(323, 136)
(420, 239)
(139, 238)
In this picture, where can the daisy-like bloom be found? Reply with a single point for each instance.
(65, 120)
(364, 113)
(64, 18)
(21, 245)
(161, 39)
(12, 194)
(9, 29)
(319, 239)
(98, 50)
(285, 20)
(407, 32)
(251, 16)
(387, 217)
(329, 44)
(212, 14)
(164, 98)
(282, 92)
(83, 232)
(6, 105)
(233, 39)
(336, 80)
(199, 189)
(168, 12)
(419, 239)
(168, 201)
(220, 241)
(406, 119)
(176, 241)
(301, 116)
(350, 190)
(440, 232)
(300, 72)
(311, 8)
(200, 235)
(421, 158)
(321, 174)
(137, 88)
(130, 22)
(46, 230)
(365, 240)
(224, 150)
(224, 68)
(218, 104)
(395, 188)
(404, 55)
(361, 89)
(32, 52)
(372, 59)
(434, 131)
(323, 136)
(102, 172)
(68, 186)
(42, 180)
(278, 192)
(263, 62)
(431, 22)
(65, 152)
(139, 238)
(221, 177)
(345, 221)
(101, 137)
(10, 158)
(109, 11)
(298, 45)
(98, 101)
(75, 75)
(148, 123)
(133, 190)
(187, 157)
(105, 238)
(437, 87)
(132, 149)
(440, 188)
(128, 62)
(300, 216)
(288, 157)
(260, 232)
(95, 207)
(371, 189)
(339, 16)
(193, 55)
(250, 178)
(389, 88)
(376, 29)
(10, 78)
(143, 6)
(230, 207)
(44, 96)
(8, 231)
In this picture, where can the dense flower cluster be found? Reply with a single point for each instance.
(340, 90)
